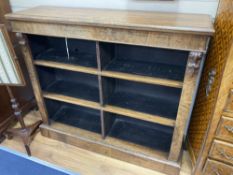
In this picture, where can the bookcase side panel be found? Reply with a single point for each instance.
(34, 78)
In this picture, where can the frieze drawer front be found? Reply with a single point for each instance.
(213, 167)
(222, 151)
(225, 129)
(229, 104)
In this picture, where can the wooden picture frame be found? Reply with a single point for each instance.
(9, 65)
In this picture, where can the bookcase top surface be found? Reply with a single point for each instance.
(137, 20)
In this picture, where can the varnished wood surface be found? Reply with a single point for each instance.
(225, 129)
(226, 83)
(142, 79)
(179, 41)
(173, 31)
(124, 76)
(139, 115)
(222, 151)
(164, 30)
(208, 109)
(109, 108)
(109, 141)
(71, 100)
(80, 160)
(229, 103)
(136, 20)
(70, 67)
(185, 104)
(213, 167)
(33, 76)
(112, 151)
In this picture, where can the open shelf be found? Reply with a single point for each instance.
(144, 61)
(71, 100)
(142, 79)
(112, 109)
(69, 67)
(120, 75)
(73, 115)
(81, 52)
(145, 98)
(140, 115)
(139, 132)
(80, 137)
(68, 83)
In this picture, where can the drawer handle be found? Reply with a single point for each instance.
(210, 82)
(225, 155)
(217, 172)
(229, 128)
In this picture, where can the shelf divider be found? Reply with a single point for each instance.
(105, 121)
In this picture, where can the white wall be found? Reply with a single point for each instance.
(185, 6)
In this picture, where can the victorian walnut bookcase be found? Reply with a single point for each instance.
(119, 83)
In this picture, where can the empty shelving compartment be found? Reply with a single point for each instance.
(69, 51)
(146, 98)
(74, 115)
(139, 132)
(144, 61)
(69, 83)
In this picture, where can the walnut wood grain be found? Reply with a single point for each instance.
(33, 76)
(112, 109)
(226, 83)
(70, 67)
(229, 104)
(213, 167)
(225, 129)
(208, 110)
(222, 151)
(136, 20)
(115, 148)
(139, 115)
(124, 76)
(143, 79)
(185, 105)
(72, 100)
(170, 31)
(179, 41)
(165, 30)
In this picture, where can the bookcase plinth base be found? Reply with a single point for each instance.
(105, 147)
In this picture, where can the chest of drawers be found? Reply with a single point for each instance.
(210, 133)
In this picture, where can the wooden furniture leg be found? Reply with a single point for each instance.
(25, 132)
